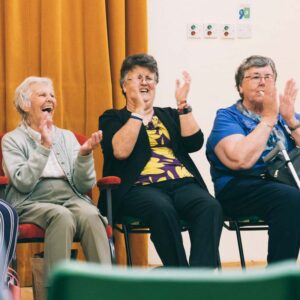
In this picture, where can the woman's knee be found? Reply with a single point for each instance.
(214, 208)
(162, 215)
(89, 215)
(286, 212)
(162, 209)
(63, 216)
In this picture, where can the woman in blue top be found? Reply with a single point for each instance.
(241, 136)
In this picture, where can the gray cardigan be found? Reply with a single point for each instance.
(24, 160)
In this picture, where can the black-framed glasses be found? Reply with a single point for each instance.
(258, 78)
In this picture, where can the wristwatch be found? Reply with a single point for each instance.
(185, 110)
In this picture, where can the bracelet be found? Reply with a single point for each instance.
(136, 116)
(295, 127)
(181, 102)
(268, 125)
(183, 111)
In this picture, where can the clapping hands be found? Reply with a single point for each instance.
(91, 143)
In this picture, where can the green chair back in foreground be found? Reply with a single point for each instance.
(77, 281)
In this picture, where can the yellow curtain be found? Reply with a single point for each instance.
(80, 45)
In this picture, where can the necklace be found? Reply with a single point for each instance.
(275, 135)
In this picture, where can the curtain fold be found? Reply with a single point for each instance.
(136, 27)
(80, 45)
(116, 16)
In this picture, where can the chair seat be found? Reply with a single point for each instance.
(246, 223)
(135, 223)
(29, 231)
(32, 232)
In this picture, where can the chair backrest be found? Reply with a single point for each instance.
(80, 137)
(90, 281)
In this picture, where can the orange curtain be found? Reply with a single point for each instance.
(80, 45)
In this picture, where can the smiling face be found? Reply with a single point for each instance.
(142, 80)
(254, 84)
(43, 104)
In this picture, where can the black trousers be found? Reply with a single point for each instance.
(278, 204)
(162, 205)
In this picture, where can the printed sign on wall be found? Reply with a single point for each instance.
(244, 12)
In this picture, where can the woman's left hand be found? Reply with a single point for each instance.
(287, 103)
(181, 91)
(91, 144)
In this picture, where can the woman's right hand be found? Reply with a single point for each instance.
(45, 130)
(134, 97)
(270, 104)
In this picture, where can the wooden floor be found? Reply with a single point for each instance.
(26, 292)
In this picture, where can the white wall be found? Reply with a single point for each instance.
(212, 64)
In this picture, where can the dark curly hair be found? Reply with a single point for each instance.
(141, 60)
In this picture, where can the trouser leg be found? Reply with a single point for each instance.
(59, 226)
(205, 218)
(155, 208)
(284, 225)
(278, 204)
(90, 230)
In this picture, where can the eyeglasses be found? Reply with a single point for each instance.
(257, 78)
(141, 78)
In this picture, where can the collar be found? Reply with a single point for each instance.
(35, 135)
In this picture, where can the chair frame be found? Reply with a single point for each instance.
(252, 223)
(132, 225)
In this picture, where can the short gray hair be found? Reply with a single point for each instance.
(250, 62)
(23, 94)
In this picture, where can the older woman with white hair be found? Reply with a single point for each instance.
(50, 174)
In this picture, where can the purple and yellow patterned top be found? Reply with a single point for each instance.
(163, 165)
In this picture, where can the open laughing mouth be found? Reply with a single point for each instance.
(145, 93)
(48, 109)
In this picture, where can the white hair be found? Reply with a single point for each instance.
(23, 94)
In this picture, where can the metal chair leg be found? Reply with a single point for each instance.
(112, 250)
(127, 245)
(240, 244)
(219, 265)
